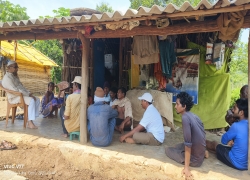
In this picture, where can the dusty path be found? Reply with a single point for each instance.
(42, 163)
(44, 154)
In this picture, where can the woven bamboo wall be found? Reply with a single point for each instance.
(34, 77)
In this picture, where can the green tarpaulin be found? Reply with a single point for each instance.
(214, 92)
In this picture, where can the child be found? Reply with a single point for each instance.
(49, 102)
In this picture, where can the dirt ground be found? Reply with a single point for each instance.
(40, 163)
(45, 154)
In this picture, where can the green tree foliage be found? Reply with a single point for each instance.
(11, 12)
(235, 94)
(135, 4)
(238, 70)
(52, 49)
(61, 12)
(104, 7)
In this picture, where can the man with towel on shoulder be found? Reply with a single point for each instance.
(12, 82)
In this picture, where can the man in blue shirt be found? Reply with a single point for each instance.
(101, 120)
(235, 153)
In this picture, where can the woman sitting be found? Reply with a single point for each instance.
(49, 102)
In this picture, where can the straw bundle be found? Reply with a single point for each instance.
(35, 78)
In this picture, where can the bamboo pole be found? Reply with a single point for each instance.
(15, 47)
(248, 103)
(84, 88)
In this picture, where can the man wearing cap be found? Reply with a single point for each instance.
(12, 82)
(101, 120)
(72, 108)
(151, 122)
(124, 108)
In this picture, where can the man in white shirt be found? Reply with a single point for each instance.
(151, 122)
(11, 81)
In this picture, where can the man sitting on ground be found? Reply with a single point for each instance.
(112, 94)
(124, 108)
(230, 118)
(151, 122)
(192, 151)
(72, 108)
(101, 120)
(12, 82)
(235, 154)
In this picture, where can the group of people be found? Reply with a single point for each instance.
(106, 116)
(112, 111)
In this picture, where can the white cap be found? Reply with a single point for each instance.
(10, 62)
(147, 97)
(78, 79)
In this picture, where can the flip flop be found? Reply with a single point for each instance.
(6, 145)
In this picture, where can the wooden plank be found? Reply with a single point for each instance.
(182, 28)
(84, 88)
(120, 62)
(40, 36)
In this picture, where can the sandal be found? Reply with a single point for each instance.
(6, 145)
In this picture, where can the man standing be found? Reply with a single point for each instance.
(235, 154)
(124, 108)
(72, 108)
(101, 120)
(12, 82)
(151, 122)
(192, 151)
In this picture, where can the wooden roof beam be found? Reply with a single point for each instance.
(181, 28)
(39, 36)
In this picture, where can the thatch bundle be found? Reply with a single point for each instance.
(35, 78)
(83, 11)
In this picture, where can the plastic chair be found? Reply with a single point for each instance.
(74, 134)
(14, 107)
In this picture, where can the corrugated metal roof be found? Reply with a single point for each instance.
(117, 15)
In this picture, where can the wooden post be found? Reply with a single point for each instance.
(248, 103)
(15, 47)
(84, 88)
(120, 61)
(91, 68)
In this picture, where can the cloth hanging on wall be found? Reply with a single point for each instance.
(230, 24)
(159, 76)
(185, 74)
(145, 49)
(167, 56)
(134, 73)
(215, 88)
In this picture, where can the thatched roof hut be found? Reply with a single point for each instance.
(34, 67)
